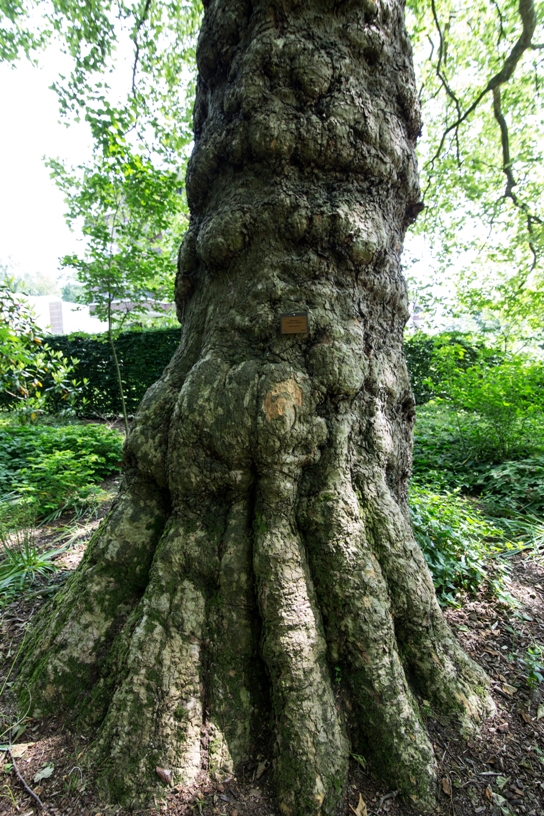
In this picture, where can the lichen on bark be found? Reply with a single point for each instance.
(260, 549)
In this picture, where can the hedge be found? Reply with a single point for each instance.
(142, 355)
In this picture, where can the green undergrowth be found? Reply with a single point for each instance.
(474, 502)
(23, 563)
(462, 547)
(46, 469)
(451, 452)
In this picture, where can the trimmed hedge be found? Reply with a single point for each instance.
(143, 355)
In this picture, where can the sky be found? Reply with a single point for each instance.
(33, 233)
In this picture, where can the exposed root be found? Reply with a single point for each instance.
(311, 747)
(71, 642)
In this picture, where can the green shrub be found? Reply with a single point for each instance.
(442, 457)
(449, 454)
(457, 542)
(517, 486)
(494, 398)
(142, 355)
(54, 467)
(32, 374)
(422, 357)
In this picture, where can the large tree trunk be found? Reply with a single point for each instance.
(258, 572)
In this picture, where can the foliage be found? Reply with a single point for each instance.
(457, 542)
(131, 214)
(22, 564)
(142, 356)
(48, 468)
(449, 452)
(160, 41)
(494, 397)
(36, 284)
(516, 486)
(533, 663)
(422, 357)
(481, 150)
(26, 362)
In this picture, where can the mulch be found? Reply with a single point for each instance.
(500, 772)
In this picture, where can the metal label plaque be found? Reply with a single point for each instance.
(294, 323)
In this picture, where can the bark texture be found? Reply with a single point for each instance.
(258, 571)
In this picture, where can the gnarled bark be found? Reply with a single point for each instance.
(258, 568)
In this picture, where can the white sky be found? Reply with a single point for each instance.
(33, 233)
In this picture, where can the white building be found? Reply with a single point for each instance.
(59, 317)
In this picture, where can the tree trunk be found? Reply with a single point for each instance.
(257, 574)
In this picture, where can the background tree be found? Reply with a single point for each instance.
(482, 153)
(132, 217)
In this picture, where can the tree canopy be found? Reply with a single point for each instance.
(480, 69)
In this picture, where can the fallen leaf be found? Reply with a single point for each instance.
(39, 790)
(18, 750)
(500, 801)
(488, 792)
(540, 712)
(508, 689)
(360, 810)
(45, 772)
(261, 768)
(164, 774)
(446, 786)
(525, 717)
(502, 781)
(255, 793)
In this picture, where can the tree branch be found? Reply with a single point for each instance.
(501, 21)
(511, 182)
(21, 779)
(528, 17)
(139, 25)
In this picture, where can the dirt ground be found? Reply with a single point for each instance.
(500, 772)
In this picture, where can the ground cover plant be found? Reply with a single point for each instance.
(459, 544)
(478, 466)
(49, 468)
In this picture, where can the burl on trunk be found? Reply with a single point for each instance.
(257, 574)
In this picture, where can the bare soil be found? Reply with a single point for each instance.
(499, 773)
